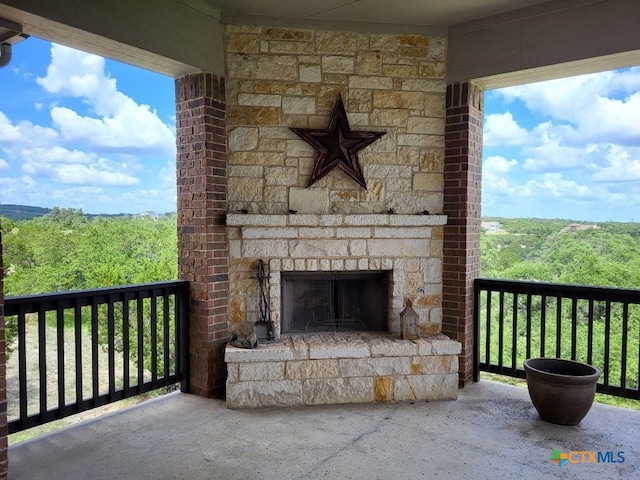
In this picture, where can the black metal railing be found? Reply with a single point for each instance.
(516, 320)
(80, 350)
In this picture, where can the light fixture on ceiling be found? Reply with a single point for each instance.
(10, 34)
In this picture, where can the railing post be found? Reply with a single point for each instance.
(476, 331)
(4, 462)
(183, 322)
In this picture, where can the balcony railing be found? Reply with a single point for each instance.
(516, 320)
(81, 350)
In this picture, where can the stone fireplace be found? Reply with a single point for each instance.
(317, 241)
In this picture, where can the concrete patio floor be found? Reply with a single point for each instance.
(491, 431)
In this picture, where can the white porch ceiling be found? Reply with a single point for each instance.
(400, 12)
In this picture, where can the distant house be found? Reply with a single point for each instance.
(490, 227)
(151, 215)
(578, 226)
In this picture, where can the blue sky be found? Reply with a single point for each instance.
(80, 131)
(567, 148)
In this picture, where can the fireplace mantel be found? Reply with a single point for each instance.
(334, 220)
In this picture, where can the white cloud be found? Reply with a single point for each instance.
(120, 121)
(498, 165)
(3, 164)
(502, 129)
(619, 167)
(24, 133)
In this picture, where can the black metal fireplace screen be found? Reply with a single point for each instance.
(334, 301)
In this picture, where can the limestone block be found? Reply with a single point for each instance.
(386, 171)
(316, 232)
(304, 369)
(392, 347)
(309, 200)
(242, 42)
(256, 158)
(411, 52)
(398, 100)
(416, 140)
(374, 83)
(338, 64)
(425, 125)
(269, 393)
(288, 265)
(288, 34)
(399, 71)
(353, 232)
(438, 345)
(390, 117)
(290, 47)
(383, 389)
(374, 367)
(264, 353)
(265, 248)
(337, 264)
(402, 247)
(433, 70)
(432, 160)
(242, 138)
(366, 219)
(402, 232)
(281, 176)
(270, 232)
(358, 248)
(325, 264)
(306, 248)
(424, 85)
(261, 371)
(281, 133)
(233, 372)
(418, 220)
(310, 73)
(245, 189)
(331, 220)
(240, 115)
(300, 348)
(411, 202)
(276, 194)
(259, 100)
(245, 171)
(338, 390)
(302, 219)
(358, 120)
(341, 43)
(384, 42)
(300, 264)
(351, 264)
(368, 63)
(437, 48)
(338, 346)
(277, 67)
(299, 105)
(436, 364)
(434, 105)
(426, 387)
(234, 219)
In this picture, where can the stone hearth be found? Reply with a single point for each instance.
(342, 368)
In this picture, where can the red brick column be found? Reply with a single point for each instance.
(4, 462)
(462, 185)
(203, 252)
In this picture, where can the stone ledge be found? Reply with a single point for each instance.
(310, 220)
(345, 345)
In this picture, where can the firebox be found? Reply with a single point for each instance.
(334, 301)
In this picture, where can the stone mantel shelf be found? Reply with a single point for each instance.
(334, 220)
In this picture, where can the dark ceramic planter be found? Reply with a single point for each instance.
(561, 390)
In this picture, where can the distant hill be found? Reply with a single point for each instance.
(22, 212)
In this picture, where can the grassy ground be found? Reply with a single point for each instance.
(600, 397)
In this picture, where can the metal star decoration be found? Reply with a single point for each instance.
(338, 146)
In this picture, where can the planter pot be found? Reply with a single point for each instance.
(561, 390)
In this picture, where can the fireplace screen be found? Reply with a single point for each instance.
(334, 301)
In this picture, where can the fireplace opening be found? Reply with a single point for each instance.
(334, 301)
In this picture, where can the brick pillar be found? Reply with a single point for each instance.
(4, 462)
(462, 185)
(203, 251)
